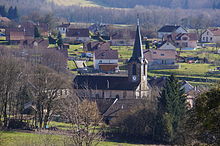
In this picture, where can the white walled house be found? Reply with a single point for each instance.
(211, 35)
(169, 29)
(106, 60)
(63, 28)
(77, 34)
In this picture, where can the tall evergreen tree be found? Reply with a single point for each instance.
(15, 13)
(3, 12)
(59, 40)
(171, 110)
(36, 32)
(10, 13)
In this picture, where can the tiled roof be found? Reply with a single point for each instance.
(75, 32)
(106, 54)
(168, 28)
(96, 45)
(215, 31)
(152, 54)
(4, 19)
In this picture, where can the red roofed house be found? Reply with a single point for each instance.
(95, 45)
(211, 35)
(15, 35)
(161, 59)
(122, 37)
(182, 40)
(77, 34)
(106, 60)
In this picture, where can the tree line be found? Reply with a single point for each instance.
(11, 13)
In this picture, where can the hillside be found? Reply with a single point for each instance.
(186, 4)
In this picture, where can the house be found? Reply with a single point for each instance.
(169, 29)
(43, 29)
(132, 86)
(95, 45)
(183, 40)
(77, 34)
(106, 60)
(165, 45)
(63, 28)
(15, 35)
(161, 59)
(122, 37)
(35, 43)
(211, 35)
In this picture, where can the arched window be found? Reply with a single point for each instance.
(134, 70)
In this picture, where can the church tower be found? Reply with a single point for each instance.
(137, 66)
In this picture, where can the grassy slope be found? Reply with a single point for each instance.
(22, 138)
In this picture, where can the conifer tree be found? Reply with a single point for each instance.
(59, 40)
(3, 12)
(10, 13)
(36, 32)
(171, 110)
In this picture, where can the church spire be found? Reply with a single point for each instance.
(137, 50)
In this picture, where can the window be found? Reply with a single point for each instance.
(144, 69)
(164, 62)
(134, 70)
(184, 38)
(124, 94)
(154, 52)
(203, 38)
(117, 96)
(210, 38)
(97, 96)
(161, 54)
(207, 33)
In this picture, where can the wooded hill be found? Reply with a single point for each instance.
(185, 4)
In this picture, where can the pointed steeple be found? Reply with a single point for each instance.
(137, 50)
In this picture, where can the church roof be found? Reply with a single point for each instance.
(104, 83)
(137, 51)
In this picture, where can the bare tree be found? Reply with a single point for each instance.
(46, 86)
(86, 121)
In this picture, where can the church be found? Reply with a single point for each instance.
(134, 85)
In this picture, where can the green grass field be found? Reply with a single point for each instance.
(30, 139)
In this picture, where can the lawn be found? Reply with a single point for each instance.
(13, 138)
(187, 69)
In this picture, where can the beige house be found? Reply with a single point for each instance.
(211, 35)
(183, 40)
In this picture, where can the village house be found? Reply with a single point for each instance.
(161, 59)
(15, 35)
(211, 35)
(77, 34)
(122, 37)
(169, 29)
(165, 45)
(95, 45)
(35, 43)
(183, 40)
(106, 60)
(63, 28)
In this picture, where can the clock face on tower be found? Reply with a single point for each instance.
(134, 78)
